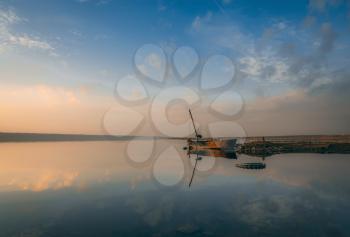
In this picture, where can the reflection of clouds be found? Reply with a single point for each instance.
(261, 211)
(47, 180)
(162, 212)
(323, 174)
(276, 210)
(39, 180)
(285, 198)
(153, 212)
(42, 166)
(138, 179)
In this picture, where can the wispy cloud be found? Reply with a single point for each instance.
(284, 52)
(9, 38)
(317, 5)
(29, 42)
(200, 20)
(44, 95)
(322, 5)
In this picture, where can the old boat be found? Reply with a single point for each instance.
(216, 147)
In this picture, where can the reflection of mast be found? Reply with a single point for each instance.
(263, 157)
(194, 169)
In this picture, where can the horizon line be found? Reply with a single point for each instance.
(37, 137)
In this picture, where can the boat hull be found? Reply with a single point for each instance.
(213, 147)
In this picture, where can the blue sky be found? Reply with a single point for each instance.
(287, 53)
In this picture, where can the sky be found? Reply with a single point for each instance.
(64, 65)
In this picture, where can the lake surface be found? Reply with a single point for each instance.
(107, 189)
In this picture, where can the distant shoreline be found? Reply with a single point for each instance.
(52, 137)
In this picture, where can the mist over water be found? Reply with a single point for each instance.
(94, 189)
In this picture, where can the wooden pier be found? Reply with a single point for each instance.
(267, 146)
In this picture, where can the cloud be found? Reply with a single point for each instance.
(161, 7)
(284, 52)
(41, 95)
(301, 74)
(328, 37)
(309, 21)
(150, 61)
(257, 58)
(199, 20)
(300, 111)
(10, 39)
(154, 60)
(48, 108)
(311, 67)
(29, 42)
(266, 66)
(322, 5)
(9, 17)
(196, 23)
(274, 103)
(318, 5)
(337, 84)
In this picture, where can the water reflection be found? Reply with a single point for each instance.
(41, 166)
(92, 189)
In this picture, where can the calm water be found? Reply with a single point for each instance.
(94, 189)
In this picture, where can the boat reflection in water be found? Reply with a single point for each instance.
(216, 147)
(252, 165)
(91, 189)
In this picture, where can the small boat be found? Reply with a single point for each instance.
(217, 147)
(212, 143)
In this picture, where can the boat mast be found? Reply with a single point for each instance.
(194, 126)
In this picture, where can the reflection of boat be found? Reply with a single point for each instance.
(215, 147)
(254, 165)
(215, 153)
